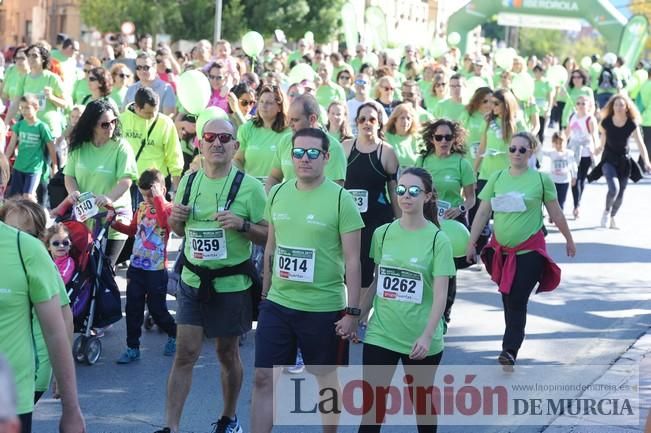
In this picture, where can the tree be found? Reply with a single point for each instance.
(541, 42)
(234, 22)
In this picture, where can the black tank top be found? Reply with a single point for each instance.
(366, 173)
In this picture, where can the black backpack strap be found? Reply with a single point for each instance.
(384, 235)
(144, 140)
(339, 208)
(235, 187)
(434, 242)
(20, 254)
(188, 188)
(276, 193)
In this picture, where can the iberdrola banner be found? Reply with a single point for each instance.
(633, 40)
(349, 21)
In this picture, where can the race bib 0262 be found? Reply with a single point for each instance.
(207, 244)
(295, 264)
(399, 284)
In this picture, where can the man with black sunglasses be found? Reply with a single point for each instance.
(147, 77)
(219, 221)
(312, 250)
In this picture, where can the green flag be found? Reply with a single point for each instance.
(633, 40)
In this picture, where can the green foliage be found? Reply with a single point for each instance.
(541, 42)
(233, 20)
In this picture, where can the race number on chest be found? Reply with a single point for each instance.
(85, 207)
(400, 285)
(207, 244)
(361, 199)
(295, 264)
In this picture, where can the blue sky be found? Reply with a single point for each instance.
(622, 6)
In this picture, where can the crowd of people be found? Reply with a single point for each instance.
(317, 207)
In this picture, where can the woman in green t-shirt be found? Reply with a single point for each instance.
(102, 162)
(338, 125)
(402, 133)
(15, 74)
(516, 195)
(437, 93)
(577, 86)
(413, 263)
(473, 120)
(122, 79)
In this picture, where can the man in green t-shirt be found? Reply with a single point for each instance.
(214, 298)
(32, 280)
(304, 113)
(313, 243)
(452, 107)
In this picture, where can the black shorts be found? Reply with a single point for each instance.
(23, 183)
(281, 330)
(227, 315)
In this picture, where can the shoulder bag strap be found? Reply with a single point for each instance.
(235, 187)
(144, 140)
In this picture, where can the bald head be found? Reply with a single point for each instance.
(219, 126)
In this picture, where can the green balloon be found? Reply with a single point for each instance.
(557, 75)
(193, 90)
(504, 58)
(207, 115)
(523, 86)
(300, 72)
(252, 43)
(458, 235)
(439, 47)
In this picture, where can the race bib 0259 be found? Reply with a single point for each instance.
(295, 264)
(207, 244)
(399, 284)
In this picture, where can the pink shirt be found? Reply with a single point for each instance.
(66, 267)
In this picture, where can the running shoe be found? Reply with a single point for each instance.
(164, 430)
(612, 224)
(129, 356)
(170, 347)
(227, 425)
(576, 213)
(507, 360)
(299, 367)
(605, 218)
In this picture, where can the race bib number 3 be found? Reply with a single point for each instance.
(361, 199)
(295, 264)
(85, 207)
(442, 206)
(401, 285)
(208, 244)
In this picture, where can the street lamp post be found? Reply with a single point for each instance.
(218, 21)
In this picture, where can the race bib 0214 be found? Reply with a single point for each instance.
(295, 264)
(399, 284)
(207, 244)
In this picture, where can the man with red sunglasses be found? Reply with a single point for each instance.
(219, 223)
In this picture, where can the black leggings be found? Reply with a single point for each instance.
(25, 422)
(541, 131)
(646, 134)
(581, 176)
(113, 249)
(376, 355)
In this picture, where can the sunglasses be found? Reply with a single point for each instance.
(57, 244)
(33, 56)
(371, 120)
(124, 75)
(580, 103)
(514, 149)
(413, 190)
(159, 61)
(407, 94)
(440, 84)
(86, 71)
(216, 77)
(246, 103)
(388, 89)
(344, 77)
(360, 82)
(312, 153)
(21, 58)
(92, 78)
(223, 137)
(107, 125)
(143, 68)
(441, 137)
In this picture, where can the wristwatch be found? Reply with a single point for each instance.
(462, 208)
(352, 311)
(246, 226)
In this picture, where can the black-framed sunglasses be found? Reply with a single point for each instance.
(223, 137)
(246, 103)
(92, 79)
(143, 68)
(413, 190)
(312, 153)
(216, 77)
(441, 137)
(514, 149)
(107, 125)
(57, 244)
(123, 76)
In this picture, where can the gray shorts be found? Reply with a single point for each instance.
(229, 315)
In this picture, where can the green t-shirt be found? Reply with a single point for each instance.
(98, 170)
(448, 109)
(573, 95)
(496, 156)
(527, 112)
(326, 94)
(13, 78)
(513, 227)
(337, 69)
(645, 99)
(541, 91)
(335, 169)
(32, 145)
(407, 147)
(356, 64)
(117, 95)
(430, 101)
(259, 145)
(449, 175)
(80, 91)
(406, 260)
(425, 87)
(16, 296)
(474, 125)
(204, 237)
(424, 116)
(47, 112)
(308, 273)
(161, 149)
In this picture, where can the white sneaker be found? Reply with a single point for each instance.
(605, 218)
(612, 224)
(299, 367)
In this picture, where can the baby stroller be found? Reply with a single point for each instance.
(94, 294)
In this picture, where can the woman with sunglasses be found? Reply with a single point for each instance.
(81, 89)
(259, 137)
(219, 85)
(437, 93)
(371, 172)
(516, 256)
(122, 79)
(412, 253)
(385, 94)
(241, 101)
(100, 84)
(473, 120)
(453, 177)
(345, 81)
(103, 163)
(401, 132)
(14, 74)
(576, 86)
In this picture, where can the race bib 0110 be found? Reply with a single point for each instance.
(399, 284)
(361, 199)
(85, 207)
(207, 244)
(295, 264)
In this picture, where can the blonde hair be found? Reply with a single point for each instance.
(404, 108)
(382, 81)
(30, 211)
(534, 144)
(55, 229)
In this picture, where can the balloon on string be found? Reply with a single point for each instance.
(474, 83)
(453, 39)
(523, 86)
(252, 43)
(309, 36)
(557, 75)
(458, 235)
(610, 59)
(301, 72)
(439, 47)
(193, 90)
(641, 75)
(207, 115)
(596, 68)
(586, 62)
(504, 58)
(632, 85)
(372, 59)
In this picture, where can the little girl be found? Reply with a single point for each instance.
(57, 241)
(563, 167)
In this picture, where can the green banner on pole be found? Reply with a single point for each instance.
(349, 21)
(633, 40)
(376, 27)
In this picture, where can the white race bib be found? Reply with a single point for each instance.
(85, 207)
(207, 244)
(295, 264)
(510, 202)
(474, 150)
(442, 206)
(400, 285)
(361, 199)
